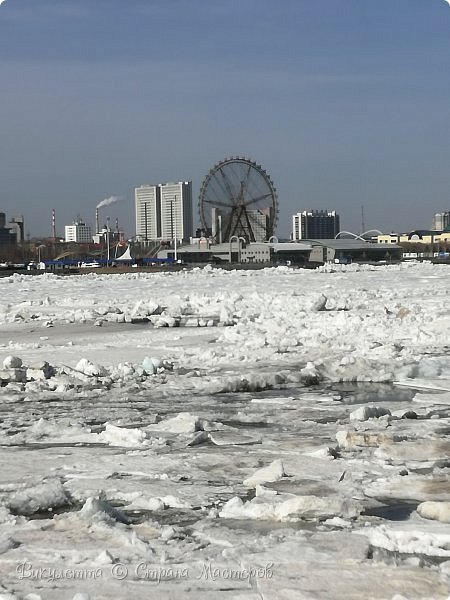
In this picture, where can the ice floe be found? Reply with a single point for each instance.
(283, 422)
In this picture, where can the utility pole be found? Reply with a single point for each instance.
(107, 240)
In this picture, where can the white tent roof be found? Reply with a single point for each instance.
(126, 255)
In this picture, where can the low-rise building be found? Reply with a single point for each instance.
(418, 236)
(78, 232)
(304, 253)
(347, 250)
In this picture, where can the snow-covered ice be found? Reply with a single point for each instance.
(226, 434)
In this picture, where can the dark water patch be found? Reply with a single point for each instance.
(248, 424)
(353, 393)
(349, 393)
(120, 476)
(326, 420)
(49, 513)
(48, 445)
(400, 511)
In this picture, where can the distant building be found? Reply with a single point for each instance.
(164, 211)
(441, 221)
(8, 234)
(201, 232)
(418, 236)
(17, 225)
(202, 251)
(252, 225)
(315, 224)
(78, 232)
(308, 252)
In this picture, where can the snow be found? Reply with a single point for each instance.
(272, 472)
(119, 436)
(226, 434)
(12, 362)
(439, 511)
(285, 507)
(368, 412)
(182, 423)
(414, 540)
(95, 509)
(41, 497)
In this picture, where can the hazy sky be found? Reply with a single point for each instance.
(344, 102)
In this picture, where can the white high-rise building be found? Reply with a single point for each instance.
(164, 211)
(441, 221)
(148, 211)
(78, 232)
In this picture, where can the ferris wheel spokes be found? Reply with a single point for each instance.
(237, 197)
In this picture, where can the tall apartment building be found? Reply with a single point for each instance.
(78, 232)
(315, 225)
(441, 221)
(164, 211)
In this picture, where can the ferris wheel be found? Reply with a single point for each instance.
(238, 198)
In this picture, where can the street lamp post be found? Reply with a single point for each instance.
(238, 240)
(39, 252)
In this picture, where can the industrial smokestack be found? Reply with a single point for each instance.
(53, 224)
(97, 226)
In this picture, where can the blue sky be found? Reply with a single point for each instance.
(344, 102)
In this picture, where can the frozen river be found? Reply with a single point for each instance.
(269, 434)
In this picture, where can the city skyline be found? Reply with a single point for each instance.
(344, 104)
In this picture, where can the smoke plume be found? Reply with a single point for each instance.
(110, 200)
